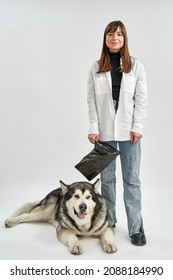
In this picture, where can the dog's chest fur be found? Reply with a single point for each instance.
(85, 227)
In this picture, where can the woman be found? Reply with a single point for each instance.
(117, 103)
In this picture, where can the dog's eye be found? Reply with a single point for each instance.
(76, 196)
(88, 197)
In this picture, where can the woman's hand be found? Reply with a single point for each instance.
(93, 138)
(135, 137)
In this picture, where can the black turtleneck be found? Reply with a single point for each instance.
(115, 74)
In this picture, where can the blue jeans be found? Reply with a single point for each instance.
(130, 164)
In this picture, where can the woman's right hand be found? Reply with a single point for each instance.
(93, 138)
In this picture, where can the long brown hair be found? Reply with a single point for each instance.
(104, 62)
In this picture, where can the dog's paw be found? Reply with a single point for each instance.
(9, 223)
(76, 249)
(110, 248)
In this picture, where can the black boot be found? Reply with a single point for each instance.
(139, 238)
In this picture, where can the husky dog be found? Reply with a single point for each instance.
(75, 210)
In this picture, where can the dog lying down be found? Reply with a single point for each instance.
(75, 210)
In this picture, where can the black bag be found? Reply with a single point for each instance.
(97, 160)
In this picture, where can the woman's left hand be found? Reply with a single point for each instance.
(135, 137)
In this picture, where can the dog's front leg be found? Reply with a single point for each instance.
(108, 242)
(69, 239)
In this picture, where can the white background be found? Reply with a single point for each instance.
(46, 50)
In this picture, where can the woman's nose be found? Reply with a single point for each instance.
(114, 36)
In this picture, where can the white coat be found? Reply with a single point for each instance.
(132, 109)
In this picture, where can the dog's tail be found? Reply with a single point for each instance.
(26, 208)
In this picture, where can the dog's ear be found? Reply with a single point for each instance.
(96, 185)
(64, 187)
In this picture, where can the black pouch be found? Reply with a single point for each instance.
(97, 160)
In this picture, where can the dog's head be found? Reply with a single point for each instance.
(80, 199)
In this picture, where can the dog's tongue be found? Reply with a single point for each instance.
(81, 215)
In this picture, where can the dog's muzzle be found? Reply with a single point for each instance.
(82, 209)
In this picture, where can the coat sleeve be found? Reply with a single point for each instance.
(140, 100)
(92, 106)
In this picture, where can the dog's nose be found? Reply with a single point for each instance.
(82, 207)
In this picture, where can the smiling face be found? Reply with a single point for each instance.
(80, 204)
(115, 40)
(80, 201)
